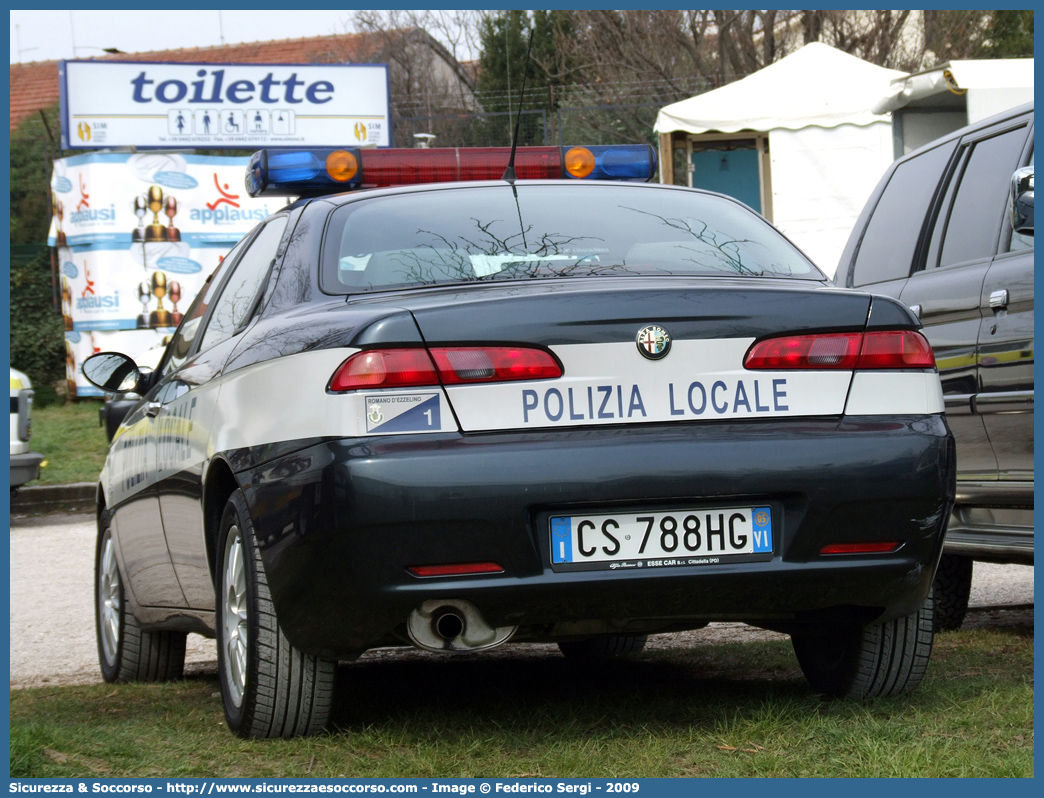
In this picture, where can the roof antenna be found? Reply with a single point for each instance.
(509, 173)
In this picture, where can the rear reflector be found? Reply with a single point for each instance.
(457, 569)
(883, 547)
(453, 365)
(891, 349)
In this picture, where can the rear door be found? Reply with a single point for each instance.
(959, 248)
(1005, 398)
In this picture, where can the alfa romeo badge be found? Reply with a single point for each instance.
(653, 342)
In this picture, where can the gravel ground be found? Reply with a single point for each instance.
(52, 609)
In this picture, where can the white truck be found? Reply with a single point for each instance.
(25, 464)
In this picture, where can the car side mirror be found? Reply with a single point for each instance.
(114, 373)
(1022, 201)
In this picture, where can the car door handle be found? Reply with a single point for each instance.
(999, 299)
(152, 409)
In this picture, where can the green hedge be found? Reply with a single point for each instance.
(37, 331)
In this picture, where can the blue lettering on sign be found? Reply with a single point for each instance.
(175, 180)
(98, 303)
(573, 416)
(703, 398)
(93, 215)
(223, 215)
(715, 388)
(741, 398)
(607, 394)
(529, 402)
(761, 523)
(561, 540)
(675, 411)
(178, 265)
(553, 415)
(725, 397)
(636, 402)
(210, 90)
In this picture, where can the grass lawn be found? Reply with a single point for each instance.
(737, 710)
(70, 439)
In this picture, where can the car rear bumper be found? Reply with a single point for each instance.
(340, 522)
(25, 467)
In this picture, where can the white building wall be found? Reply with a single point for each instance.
(821, 178)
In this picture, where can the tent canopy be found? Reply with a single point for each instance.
(816, 86)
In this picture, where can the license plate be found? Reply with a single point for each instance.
(661, 539)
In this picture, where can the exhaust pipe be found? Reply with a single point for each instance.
(454, 625)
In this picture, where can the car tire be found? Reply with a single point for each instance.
(603, 646)
(868, 661)
(126, 652)
(952, 588)
(269, 688)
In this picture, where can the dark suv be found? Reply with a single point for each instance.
(949, 232)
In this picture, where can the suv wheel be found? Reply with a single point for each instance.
(952, 588)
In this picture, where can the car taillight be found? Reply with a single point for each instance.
(898, 349)
(453, 365)
(494, 364)
(885, 349)
(385, 368)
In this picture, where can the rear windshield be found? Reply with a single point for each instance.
(492, 233)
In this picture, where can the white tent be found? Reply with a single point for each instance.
(826, 148)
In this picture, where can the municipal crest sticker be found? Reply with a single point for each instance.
(375, 416)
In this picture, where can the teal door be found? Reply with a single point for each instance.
(733, 172)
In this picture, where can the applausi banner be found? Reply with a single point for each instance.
(116, 199)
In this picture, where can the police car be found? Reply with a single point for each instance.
(564, 406)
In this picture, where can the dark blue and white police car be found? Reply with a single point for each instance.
(570, 407)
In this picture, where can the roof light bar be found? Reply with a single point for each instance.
(303, 173)
(296, 173)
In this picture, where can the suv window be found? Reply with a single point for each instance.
(890, 240)
(979, 204)
(237, 297)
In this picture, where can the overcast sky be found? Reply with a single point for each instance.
(52, 35)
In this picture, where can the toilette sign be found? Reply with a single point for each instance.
(175, 105)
